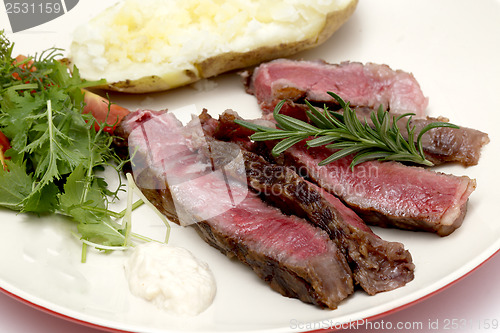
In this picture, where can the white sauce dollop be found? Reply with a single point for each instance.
(170, 277)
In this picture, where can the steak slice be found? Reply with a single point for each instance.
(390, 193)
(292, 256)
(445, 144)
(368, 85)
(441, 145)
(377, 265)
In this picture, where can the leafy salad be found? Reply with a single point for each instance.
(52, 152)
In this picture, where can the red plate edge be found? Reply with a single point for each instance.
(407, 305)
(345, 325)
(60, 315)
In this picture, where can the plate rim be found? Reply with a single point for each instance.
(495, 250)
(424, 293)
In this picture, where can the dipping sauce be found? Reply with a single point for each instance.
(170, 277)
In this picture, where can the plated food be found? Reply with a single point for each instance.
(409, 246)
(249, 202)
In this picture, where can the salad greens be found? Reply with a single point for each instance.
(56, 155)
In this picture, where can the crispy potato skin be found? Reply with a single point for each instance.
(229, 61)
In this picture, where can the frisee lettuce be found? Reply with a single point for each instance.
(56, 153)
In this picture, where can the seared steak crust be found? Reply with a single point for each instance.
(296, 281)
(377, 265)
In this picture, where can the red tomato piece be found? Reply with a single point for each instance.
(103, 112)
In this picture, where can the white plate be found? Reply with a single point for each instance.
(451, 47)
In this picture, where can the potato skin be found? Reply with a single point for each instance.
(229, 61)
(153, 83)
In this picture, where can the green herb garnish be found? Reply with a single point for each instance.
(56, 155)
(346, 134)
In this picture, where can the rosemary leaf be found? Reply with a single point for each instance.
(367, 156)
(272, 135)
(346, 135)
(320, 141)
(342, 153)
(294, 124)
(287, 143)
(318, 118)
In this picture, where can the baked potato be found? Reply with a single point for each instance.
(142, 46)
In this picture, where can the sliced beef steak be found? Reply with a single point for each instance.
(368, 84)
(292, 256)
(382, 193)
(445, 144)
(377, 265)
(366, 87)
(390, 193)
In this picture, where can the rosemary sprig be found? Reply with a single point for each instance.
(346, 134)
